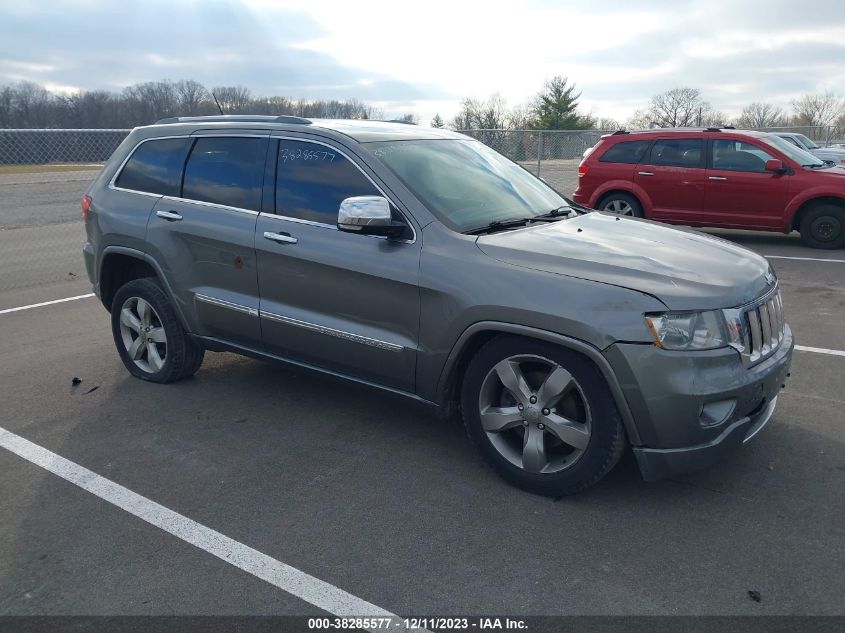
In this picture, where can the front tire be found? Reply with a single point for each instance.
(823, 226)
(150, 340)
(542, 416)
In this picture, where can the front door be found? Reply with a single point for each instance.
(341, 301)
(740, 192)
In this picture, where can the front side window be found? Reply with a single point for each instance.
(155, 167)
(227, 171)
(465, 184)
(628, 152)
(735, 155)
(679, 152)
(807, 142)
(312, 180)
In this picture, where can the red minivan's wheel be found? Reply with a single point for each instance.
(622, 204)
(823, 226)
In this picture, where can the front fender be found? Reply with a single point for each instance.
(808, 195)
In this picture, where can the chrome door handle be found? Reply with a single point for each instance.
(645, 173)
(716, 178)
(169, 215)
(282, 238)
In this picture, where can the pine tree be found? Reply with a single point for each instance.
(556, 107)
(437, 121)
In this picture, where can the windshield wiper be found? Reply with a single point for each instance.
(499, 225)
(554, 213)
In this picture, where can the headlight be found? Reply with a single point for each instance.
(688, 330)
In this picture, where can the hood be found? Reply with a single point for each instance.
(684, 269)
(833, 151)
(832, 175)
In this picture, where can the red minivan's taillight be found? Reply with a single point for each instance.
(86, 206)
(582, 170)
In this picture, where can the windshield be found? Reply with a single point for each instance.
(800, 156)
(465, 184)
(807, 142)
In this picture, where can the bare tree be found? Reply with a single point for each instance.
(233, 99)
(606, 123)
(192, 97)
(759, 114)
(678, 107)
(818, 109)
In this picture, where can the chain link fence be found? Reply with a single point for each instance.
(45, 147)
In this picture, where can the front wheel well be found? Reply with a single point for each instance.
(809, 204)
(118, 269)
(454, 381)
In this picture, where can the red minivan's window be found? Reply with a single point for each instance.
(629, 152)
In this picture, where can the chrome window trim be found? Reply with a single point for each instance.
(119, 170)
(213, 205)
(322, 329)
(237, 307)
(364, 173)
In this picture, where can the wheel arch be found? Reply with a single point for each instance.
(476, 335)
(806, 205)
(120, 264)
(629, 189)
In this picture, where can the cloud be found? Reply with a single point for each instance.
(619, 54)
(97, 44)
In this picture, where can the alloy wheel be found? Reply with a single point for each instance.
(143, 335)
(619, 207)
(535, 414)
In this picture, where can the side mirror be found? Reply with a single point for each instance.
(368, 215)
(775, 165)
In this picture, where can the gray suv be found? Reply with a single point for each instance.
(422, 262)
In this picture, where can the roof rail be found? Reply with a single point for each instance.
(399, 121)
(617, 132)
(236, 118)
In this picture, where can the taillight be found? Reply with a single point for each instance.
(582, 170)
(86, 206)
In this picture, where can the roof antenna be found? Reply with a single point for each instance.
(213, 96)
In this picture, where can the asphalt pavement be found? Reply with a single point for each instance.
(371, 493)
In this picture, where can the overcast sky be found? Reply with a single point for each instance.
(426, 59)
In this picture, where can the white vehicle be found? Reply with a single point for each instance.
(834, 154)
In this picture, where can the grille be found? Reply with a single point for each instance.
(763, 329)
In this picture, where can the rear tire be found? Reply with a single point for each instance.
(555, 430)
(150, 340)
(622, 204)
(823, 226)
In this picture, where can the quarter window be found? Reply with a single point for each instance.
(313, 180)
(681, 152)
(156, 167)
(226, 170)
(629, 152)
(738, 156)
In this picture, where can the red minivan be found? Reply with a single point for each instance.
(716, 177)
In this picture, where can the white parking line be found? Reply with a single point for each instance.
(45, 303)
(806, 259)
(820, 350)
(310, 589)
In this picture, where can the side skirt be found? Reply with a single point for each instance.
(218, 345)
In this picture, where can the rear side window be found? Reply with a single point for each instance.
(629, 152)
(312, 180)
(677, 152)
(226, 170)
(156, 167)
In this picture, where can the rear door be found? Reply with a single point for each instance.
(740, 192)
(342, 301)
(672, 174)
(205, 237)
